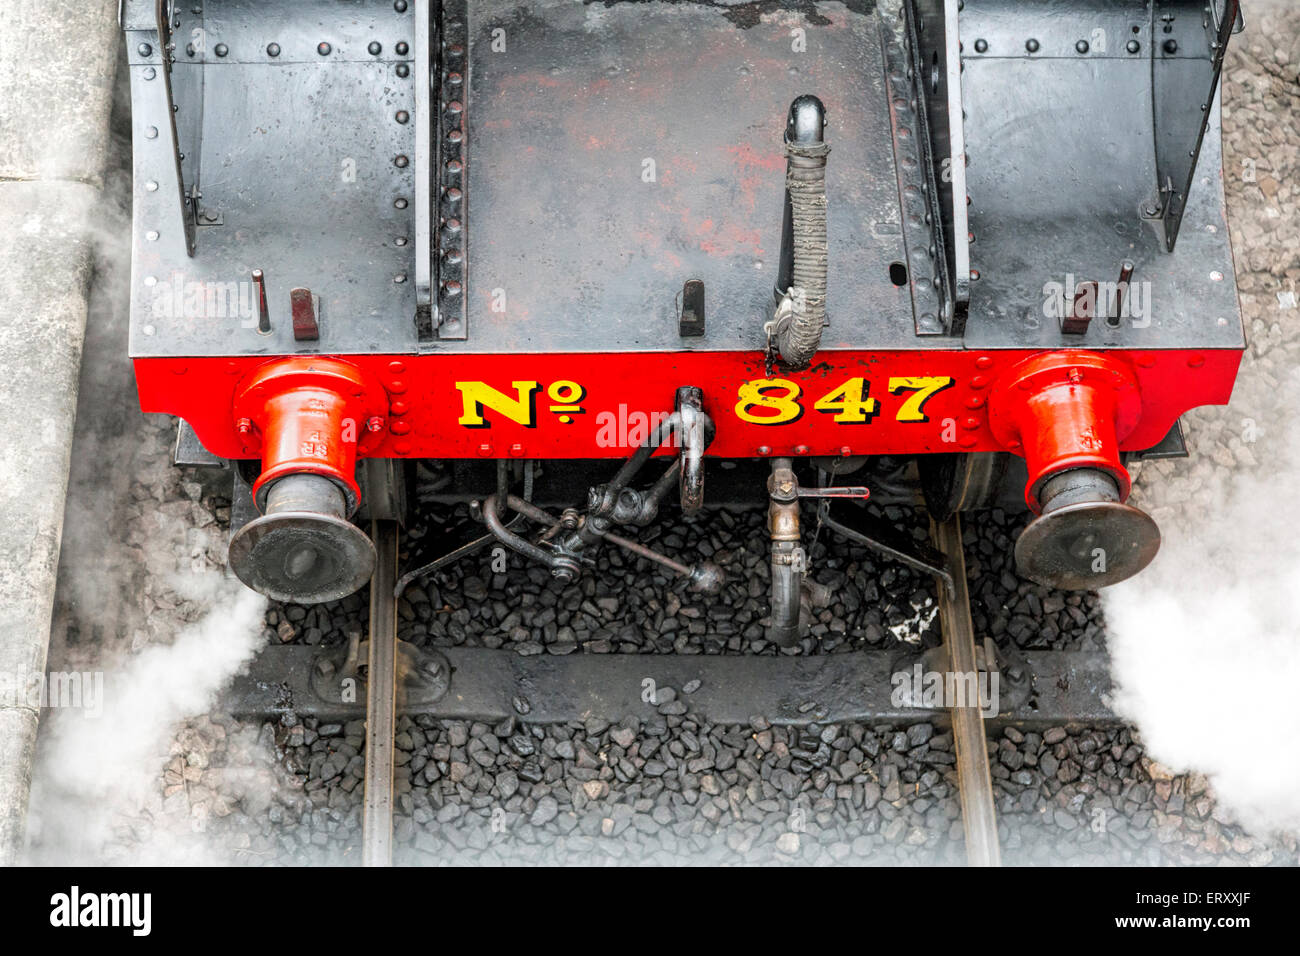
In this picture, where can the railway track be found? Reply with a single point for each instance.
(975, 783)
(382, 700)
(386, 680)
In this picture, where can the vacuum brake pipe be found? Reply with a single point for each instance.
(801, 281)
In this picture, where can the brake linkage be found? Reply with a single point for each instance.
(566, 542)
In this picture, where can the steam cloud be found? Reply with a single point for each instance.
(1205, 644)
(101, 774)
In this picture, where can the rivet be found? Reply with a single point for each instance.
(967, 441)
(151, 186)
(984, 361)
(801, 449)
(451, 287)
(974, 401)
(979, 381)
(454, 107)
(399, 278)
(516, 451)
(397, 386)
(375, 48)
(1171, 46)
(151, 132)
(845, 451)
(1133, 46)
(399, 203)
(1081, 46)
(1216, 275)
(399, 241)
(402, 48)
(150, 281)
(981, 46)
(150, 73)
(485, 451)
(397, 367)
(1196, 361)
(323, 48)
(974, 275)
(221, 49)
(400, 161)
(148, 330)
(399, 428)
(403, 70)
(1031, 45)
(454, 167)
(398, 408)
(763, 450)
(452, 256)
(402, 447)
(145, 49)
(402, 117)
(399, 6)
(273, 49)
(455, 136)
(151, 235)
(454, 79)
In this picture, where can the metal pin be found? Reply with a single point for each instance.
(1121, 290)
(263, 314)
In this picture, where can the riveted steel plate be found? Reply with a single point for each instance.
(298, 164)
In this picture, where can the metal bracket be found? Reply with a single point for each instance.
(1186, 61)
(934, 47)
(425, 159)
(338, 675)
(451, 175)
(188, 450)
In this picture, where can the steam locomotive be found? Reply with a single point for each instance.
(920, 250)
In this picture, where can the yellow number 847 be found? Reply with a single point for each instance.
(775, 401)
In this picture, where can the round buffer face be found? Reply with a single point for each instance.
(302, 557)
(1088, 545)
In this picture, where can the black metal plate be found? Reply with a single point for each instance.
(588, 255)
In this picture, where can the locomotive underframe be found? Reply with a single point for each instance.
(1005, 183)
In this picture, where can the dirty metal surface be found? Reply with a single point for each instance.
(493, 684)
(294, 162)
(1063, 180)
(587, 102)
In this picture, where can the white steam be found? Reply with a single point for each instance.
(1205, 644)
(99, 775)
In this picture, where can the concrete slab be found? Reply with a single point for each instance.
(58, 60)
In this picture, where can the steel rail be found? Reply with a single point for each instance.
(381, 702)
(974, 781)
